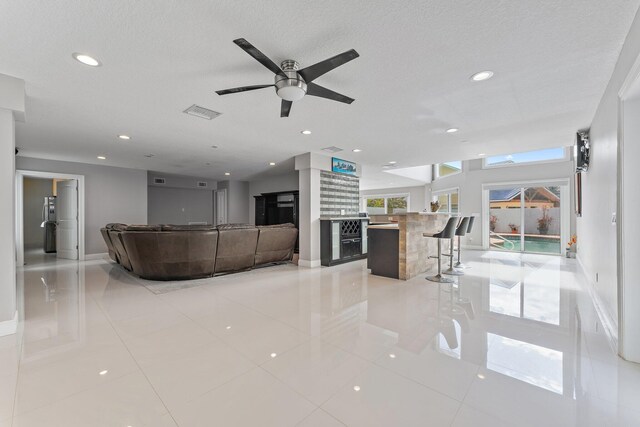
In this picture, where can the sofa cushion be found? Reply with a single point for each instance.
(236, 248)
(235, 226)
(188, 227)
(285, 225)
(275, 244)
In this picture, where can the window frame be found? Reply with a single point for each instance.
(448, 192)
(385, 197)
(435, 170)
(565, 158)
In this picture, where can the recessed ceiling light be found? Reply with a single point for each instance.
(149, 155)
(393, 162)
(272, 163)
(306, 132)
(105, 372)
(356, 150)
(482, 75)
(125, 137)
(227, 173)
(273, 355)
(481, 154)
(356, 387)
(102, 158)
(214, 146)
(481, 376)
(228, 327)
(86, 59)
(393, 356)
(452, 130)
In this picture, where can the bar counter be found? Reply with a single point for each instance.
(397, 240)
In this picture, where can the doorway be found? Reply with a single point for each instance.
(49, 217)
(527, 217)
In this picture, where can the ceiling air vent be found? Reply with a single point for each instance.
(203, 113)
(202, 184)
(158, 180)
(332, 149)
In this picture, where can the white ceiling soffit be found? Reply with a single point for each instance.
(418, 173)
(552, 61)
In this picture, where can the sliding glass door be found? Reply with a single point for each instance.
(526, 219)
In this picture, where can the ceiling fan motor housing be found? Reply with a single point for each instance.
(290, 86)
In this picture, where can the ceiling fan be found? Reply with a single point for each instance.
(293, 83)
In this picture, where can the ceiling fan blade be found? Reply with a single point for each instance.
(258, 56)
(285, 108)
(314, 71)
(316, 90)
(241, 89)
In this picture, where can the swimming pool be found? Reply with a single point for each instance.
(540, 244)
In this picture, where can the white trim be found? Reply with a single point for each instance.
(609, 324)
(473, 247)
(9, 327)
(565, 158)
(448, 192)
(565, 206)
(385, 197)
(436, 176)
(624, 95)
(19, 231)
(92, 257)
(309, 263)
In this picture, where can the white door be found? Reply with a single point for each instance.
(221, 205)
(67, 219)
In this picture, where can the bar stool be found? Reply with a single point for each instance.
(446, 233)
(461, 230)
(459, 264)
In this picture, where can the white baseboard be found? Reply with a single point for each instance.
(90, 257)
(314, 263)
(473, 247)
(609, 324)
(9, 327)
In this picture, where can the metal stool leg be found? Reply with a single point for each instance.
(459, 264)
(438, 277)
(452, 271)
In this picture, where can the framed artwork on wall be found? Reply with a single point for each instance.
(343, 166)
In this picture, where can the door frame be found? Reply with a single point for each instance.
(19, 201)
(565, 206)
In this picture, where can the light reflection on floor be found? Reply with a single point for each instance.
(514, 342)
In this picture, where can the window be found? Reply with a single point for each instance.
(538, 156)
(449, 200)
(440, 170)
(386, 205)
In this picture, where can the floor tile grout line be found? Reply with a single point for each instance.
(109, 320)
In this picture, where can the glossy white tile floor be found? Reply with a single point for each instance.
(515, 342)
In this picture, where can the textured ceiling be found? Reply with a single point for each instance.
(552, 61)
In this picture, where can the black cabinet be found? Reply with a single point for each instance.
(277, 208)
(343, 240)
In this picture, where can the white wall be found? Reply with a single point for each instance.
(417, 196)
(270, 184)
(35, 190)
(111, 195)
(597, 239)
(473, 176)
(7, 216)
(12, 107)
(179, 205)
(237, 201)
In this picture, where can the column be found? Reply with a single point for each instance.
(11, 109)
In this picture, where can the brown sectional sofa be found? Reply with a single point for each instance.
(179, 252)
